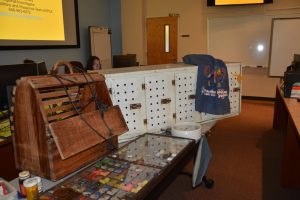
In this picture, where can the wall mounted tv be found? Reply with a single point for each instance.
(236, 2)
(39, 24)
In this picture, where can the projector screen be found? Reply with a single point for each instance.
(236, 2)
(38, 24)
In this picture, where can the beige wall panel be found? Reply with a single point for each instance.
(193, 22)
(132, 13)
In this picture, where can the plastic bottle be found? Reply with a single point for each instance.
(22, 177)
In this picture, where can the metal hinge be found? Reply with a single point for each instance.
(145, 121)
(236, 89)
(173, 82)
(143, 86)
(165, 101)
(192, 96)
(110, 90)
(174, 115)
(135, 106)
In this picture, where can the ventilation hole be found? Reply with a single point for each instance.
(157, 95)
(134, 128)
(125, 99)
(124, 84)
(156, 88)
(164, 109)
(157, 123)
(127, 122)
(157, 109)
(156, 102)
(118, 100)
(151, 110)
(132, 91)
(150, 104)
(117, 85)
(150, 97)
(163, 88)
(125, 92)
(131, 83)
(151, 117)
(126, 114)
(156, 81)
(133, 113)
(151, 124)
(126, 107)
(157, 117)
(118, 92)
(133, 120)
(132, 99)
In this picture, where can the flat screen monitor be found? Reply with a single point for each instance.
(10, 73)
(127, 60)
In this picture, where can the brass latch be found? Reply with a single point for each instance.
(143, 86)
(135, 106)
(110, 90)
(165, 101)
(173, 82)
(174, 115)
(192, 96)
(145, 121)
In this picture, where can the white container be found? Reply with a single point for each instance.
(189, 130)
(12, 195)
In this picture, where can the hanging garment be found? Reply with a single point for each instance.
(212, 92)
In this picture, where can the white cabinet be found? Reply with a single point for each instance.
(152, 98)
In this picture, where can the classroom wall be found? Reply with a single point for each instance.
(133, 24)
(193, 17)
(91, 13)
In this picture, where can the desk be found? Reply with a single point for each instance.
(287, 118)
(140, 169)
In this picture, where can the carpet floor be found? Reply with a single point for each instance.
(246, 162)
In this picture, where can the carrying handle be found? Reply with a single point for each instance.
(54, 70)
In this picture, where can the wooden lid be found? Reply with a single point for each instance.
(73, 135)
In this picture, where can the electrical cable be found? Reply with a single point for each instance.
(100, 107)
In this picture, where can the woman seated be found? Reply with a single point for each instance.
(93, 63)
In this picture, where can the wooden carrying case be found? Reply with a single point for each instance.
(51, 139)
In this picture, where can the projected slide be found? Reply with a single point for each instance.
(31, 20)
(226, 2)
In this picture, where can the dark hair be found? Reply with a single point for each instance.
(89, 64)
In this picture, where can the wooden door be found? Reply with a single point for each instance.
(158, 50)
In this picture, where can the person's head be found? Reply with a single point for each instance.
(93, 63)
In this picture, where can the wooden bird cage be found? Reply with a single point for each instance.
(59, 126)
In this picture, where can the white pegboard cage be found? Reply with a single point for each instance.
(155, 97)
